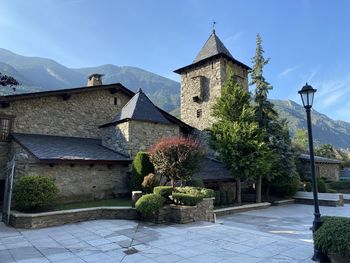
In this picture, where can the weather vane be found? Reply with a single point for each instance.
(214, 23)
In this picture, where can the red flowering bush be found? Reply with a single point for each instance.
(176, 158)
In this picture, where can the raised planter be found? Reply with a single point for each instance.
(240, 209)
(56, 218)
(180, 214)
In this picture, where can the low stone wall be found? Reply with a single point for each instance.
(180, 214)
(56, 218)
(240, 209)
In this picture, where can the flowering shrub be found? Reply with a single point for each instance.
(176, 158)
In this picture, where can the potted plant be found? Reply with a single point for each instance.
(333, 237)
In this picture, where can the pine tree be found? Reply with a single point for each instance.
(236, 135)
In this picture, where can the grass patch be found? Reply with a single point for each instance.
(97, 203)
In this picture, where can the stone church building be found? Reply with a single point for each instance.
(85, 138)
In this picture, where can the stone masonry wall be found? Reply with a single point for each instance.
(4, 148)
(78, 116)
(116, 137)
(208, 87)
(142, 135)
(75, 182)
(329, 171)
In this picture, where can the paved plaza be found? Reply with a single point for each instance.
(276, 234)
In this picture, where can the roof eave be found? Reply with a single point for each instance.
(203, 61)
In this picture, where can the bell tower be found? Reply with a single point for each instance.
(202, 80)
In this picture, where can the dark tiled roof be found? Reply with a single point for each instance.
(21, 96)
(213, 170)
(212, 49)
(319, 159)
(59, 149)
(141, 108)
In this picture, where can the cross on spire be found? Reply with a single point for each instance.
(214, 23)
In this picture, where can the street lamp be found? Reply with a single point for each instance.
(307, 96)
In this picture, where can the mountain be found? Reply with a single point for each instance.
(325, 130)
(164, 92)
(37, 74)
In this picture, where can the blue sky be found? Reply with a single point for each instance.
(307, 40)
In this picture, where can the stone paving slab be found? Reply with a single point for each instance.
(255, 236)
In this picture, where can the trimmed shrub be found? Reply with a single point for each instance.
(223, 197)
(332, 191)
(217, 198)
(149, 182)
(195, 183)
(34, 192)
(289, 189)
(334, 235)
(308, 187)
(141, 166)
(340, 185)
(186, 199)
(321, 185)
(197, 191)
(207, 193)
(164, 191)
(149, 204)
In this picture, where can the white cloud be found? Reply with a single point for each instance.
(287, 71)
(232, 39)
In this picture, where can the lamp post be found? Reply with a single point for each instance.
(307, 97)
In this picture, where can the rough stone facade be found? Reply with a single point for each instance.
(4, 148)
(76, 182)
(133, 136)
(78, 116)
(328, 171)
(200, 86)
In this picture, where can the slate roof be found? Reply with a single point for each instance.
(213, 170)
(140, 108)
(52, 149)
(319, 159)
(213, 48)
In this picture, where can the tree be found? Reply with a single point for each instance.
(141, 167)
(326, 150)
(301, 141)
(264, 111)
(236, 135)
(7, 80)
(176, 158)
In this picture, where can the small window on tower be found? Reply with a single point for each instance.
(199, 113)
(116, 101)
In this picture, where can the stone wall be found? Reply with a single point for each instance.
(134, 136)
(78, 116)
(205, 82)
(329, 171)
(57, 218)
(4, 148)
(76, 182)
(116, 137)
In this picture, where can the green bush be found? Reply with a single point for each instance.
(217, 198)
(141, 167)
(332, 191)
(288, 189)
(340, 185)
(321, 185)
(149, 204)
(195, 183)
(34, 192)
(197, 191)
(334, 235)
(308, 187)
(164, 191)
(223, 197)
(186, 199)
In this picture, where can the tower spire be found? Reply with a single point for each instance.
(214, 23)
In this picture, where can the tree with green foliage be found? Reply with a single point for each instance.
(264, 111)
(301, 140)
(325, 150)
(141, 167)
(276, 135)
(236, 135)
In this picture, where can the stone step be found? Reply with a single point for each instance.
(283, 202)
(241, 208)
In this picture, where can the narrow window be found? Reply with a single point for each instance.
(115, 101)
(199, 113)
(5, 128)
